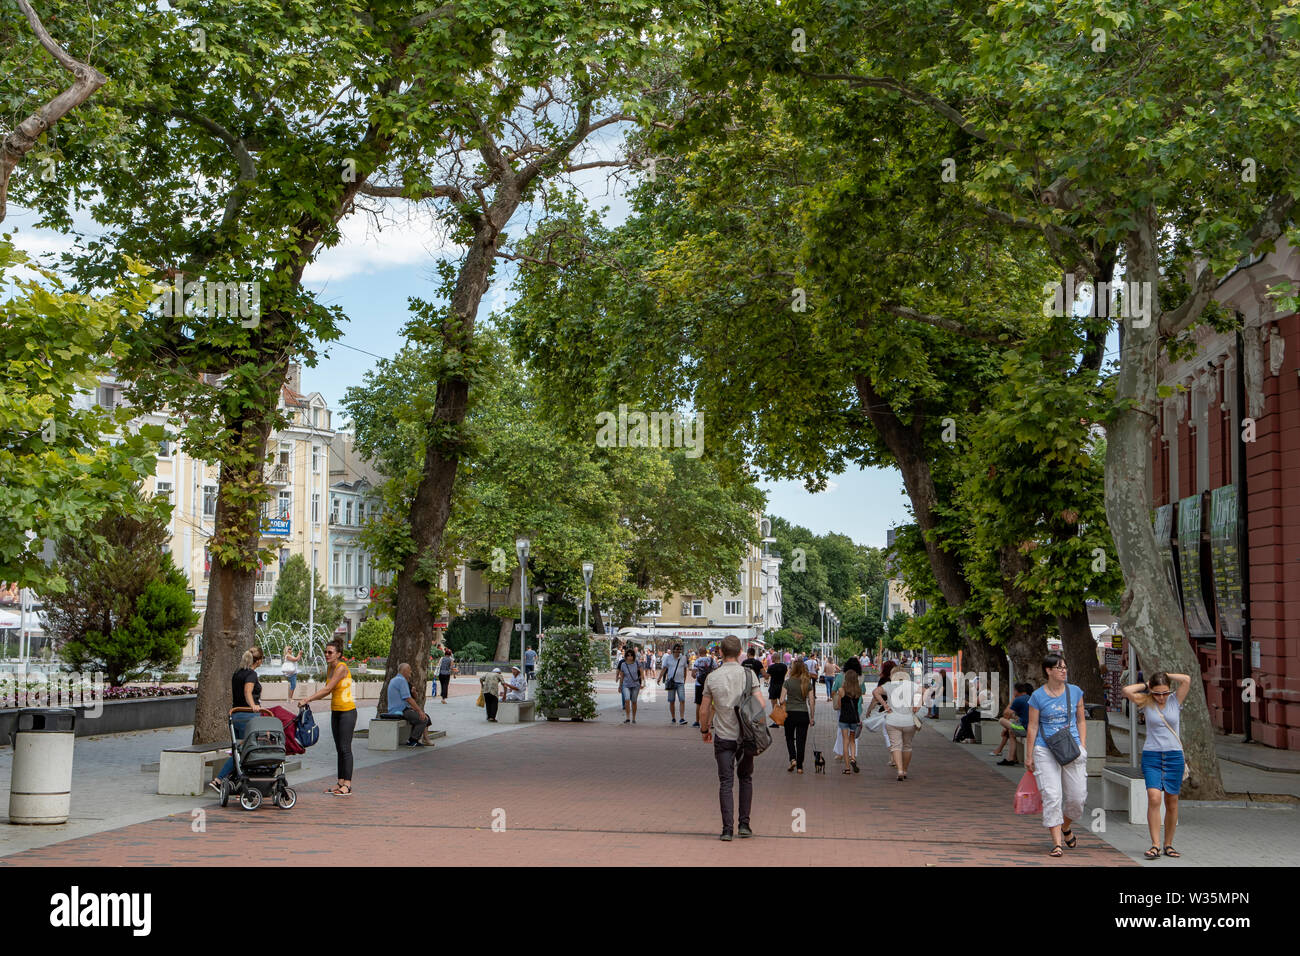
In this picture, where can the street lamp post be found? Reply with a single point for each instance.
(821, 607)
(521, 551)
(588, 568)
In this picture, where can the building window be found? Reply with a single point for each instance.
(315, 509)
(286, 505)
(334, 509)
(209, 500)
(347, 569)
(731, 608)
(107, 397)
(361, 569)
(166, 449)
(697, 609)
(286, 453)
(315, 459)
(361, 512)
(347, 512)
(164, 488)
(334, 571)
(315, 417)
(654, 608)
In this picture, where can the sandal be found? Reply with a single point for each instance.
(847, 772)
(1153, 853)
(854, 765)
(1057, 851)
(791, 767)
(1070, 839)
(1170, 851)
(343, 791)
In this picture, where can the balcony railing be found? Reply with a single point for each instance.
(264, 590)
(279, 475)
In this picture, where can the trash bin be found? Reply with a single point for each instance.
(40, 789)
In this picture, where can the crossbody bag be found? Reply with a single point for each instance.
(1187, 772)
(1062, 743)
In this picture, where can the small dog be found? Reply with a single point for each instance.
(819, 762)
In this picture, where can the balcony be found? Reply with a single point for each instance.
(279, 475)
(264, 589)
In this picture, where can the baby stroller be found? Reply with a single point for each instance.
(259, 766)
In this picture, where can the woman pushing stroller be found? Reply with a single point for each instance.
(246, 697)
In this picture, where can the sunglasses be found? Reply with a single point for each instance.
(1161, 693)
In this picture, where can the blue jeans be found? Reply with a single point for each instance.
(241, 724)
(293, 683)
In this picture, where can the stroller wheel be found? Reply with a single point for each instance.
(286, 798)
(251, 798)
(225, 791)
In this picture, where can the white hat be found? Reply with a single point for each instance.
(514, 667)
(496, 670)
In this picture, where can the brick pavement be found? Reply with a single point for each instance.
(602, 792)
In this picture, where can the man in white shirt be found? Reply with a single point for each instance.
(722, 693)
(814, 668)
(516, 686)
(673, 674)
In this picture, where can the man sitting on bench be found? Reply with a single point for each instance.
(516, 686)
(402, 704)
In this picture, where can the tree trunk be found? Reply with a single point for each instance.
(1080, 649)
(504, 634)
(1148, 612)
(597, 622)
(229, 628)
(431, 507)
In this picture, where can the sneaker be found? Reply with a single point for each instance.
(627, 720)
(214, 784)
(682, 721)
(696, 724)
(726, 836)
(743, 831)
(412, 743)
(1008, 763)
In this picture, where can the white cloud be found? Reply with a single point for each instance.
(403, 238)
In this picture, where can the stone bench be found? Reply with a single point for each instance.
(516, 711)
(187, 770)
(1124, 789)
(389, 733)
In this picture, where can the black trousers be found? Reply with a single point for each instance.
(342, 724)
(796, 735)
(443, 681)
(490, 701)
(418, 724)
(724, 752)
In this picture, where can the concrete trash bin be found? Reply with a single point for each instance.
(40, 789)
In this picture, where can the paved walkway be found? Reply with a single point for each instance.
(590, 793)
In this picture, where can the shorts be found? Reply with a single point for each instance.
(853, 727)
(630, 694)
(1163, 770)
(699, 693)
(677, 691)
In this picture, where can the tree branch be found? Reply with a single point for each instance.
(21, 141)
(919, 97)
(939, 322)
(1270, 225)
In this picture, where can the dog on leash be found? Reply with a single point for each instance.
(819, 762)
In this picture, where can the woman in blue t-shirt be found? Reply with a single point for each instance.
(1162, 754)
(1053, 707)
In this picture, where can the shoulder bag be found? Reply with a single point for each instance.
(1187, 771)
(1062, 743)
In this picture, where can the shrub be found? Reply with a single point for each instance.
(471, 653)
(479, 626)
(566, 672)
(374, 638)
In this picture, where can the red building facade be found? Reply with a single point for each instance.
(1227, 495)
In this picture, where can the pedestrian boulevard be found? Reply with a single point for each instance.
(601, 792)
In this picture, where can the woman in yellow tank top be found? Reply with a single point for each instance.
(343, 712)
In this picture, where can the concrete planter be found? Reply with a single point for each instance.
(122, 716)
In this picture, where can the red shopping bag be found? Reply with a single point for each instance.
(1028, 799)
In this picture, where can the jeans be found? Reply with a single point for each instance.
(796, 735)
(293, 683)
(724, 752)
(241, 724)
(418, 724)
(342, 724)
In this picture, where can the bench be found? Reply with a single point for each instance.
(187, 770)
(516, 711)
(390, 733)
(1123, 788)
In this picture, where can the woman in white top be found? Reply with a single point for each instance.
(901, 702)
(290, 668)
